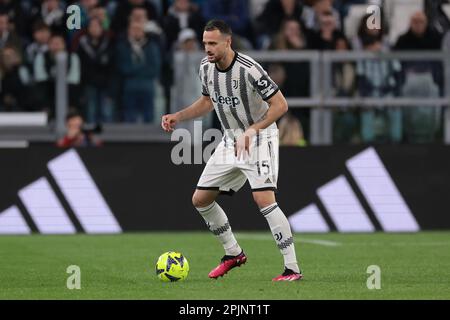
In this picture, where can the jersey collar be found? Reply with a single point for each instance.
(231, 64)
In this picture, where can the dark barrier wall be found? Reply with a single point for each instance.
(145, 191)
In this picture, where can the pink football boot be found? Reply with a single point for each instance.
(288, 275)
(226, 264)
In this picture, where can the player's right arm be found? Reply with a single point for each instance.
(199, 108)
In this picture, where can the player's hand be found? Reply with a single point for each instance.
(242, 145)
(168, 122)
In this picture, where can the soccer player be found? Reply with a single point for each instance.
(247, 103)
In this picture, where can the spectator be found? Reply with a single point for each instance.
(291, 131)
(52, 13)
(139, 63)
(344, 85)
(186, 76)
(236, 14)
(377, 79)
(181, 15)
(419, 36)
(296, 84)
(187, 41)
(365, 34)
(422, 79)
(41, 37)
(123, 11)
(7, 36)
(15, 80)
(421, 123)
(328, 35)
(86, 7)
(95, 52)
(292, 37)
(16, 15)
(76, 135)
(102, 14)
(98, 13)
(139, 14)
(277, 74)
(313, 10)
(273, 15)
(156, 35)
(45, 75)
(343, 72)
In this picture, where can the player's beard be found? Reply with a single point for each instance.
(214, 58)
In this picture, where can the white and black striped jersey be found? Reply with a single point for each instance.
(238, 93)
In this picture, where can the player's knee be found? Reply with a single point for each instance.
(200, 201)
(264, 198)
(196, 201)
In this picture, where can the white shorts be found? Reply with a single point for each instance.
(224, 172)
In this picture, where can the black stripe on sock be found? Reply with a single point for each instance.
(269, 210)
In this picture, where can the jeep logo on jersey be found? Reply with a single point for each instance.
(229, 101)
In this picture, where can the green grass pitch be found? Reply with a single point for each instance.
(413, 266)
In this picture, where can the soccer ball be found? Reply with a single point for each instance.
(172, 266)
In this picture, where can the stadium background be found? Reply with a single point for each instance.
(349, 87)
(364, 148)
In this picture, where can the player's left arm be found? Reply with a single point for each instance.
(277, 107)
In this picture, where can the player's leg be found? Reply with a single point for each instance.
(262, 173)
(216, 219)
(217, 222)
(220, 176)
(281, 231)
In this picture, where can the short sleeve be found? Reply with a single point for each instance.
(262, 83)
(203, 80)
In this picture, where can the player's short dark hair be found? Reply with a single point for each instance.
(220, 25)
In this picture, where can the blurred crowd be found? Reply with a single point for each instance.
(121, 60)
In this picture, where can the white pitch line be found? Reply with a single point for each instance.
(263, 237)
(321, 242)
